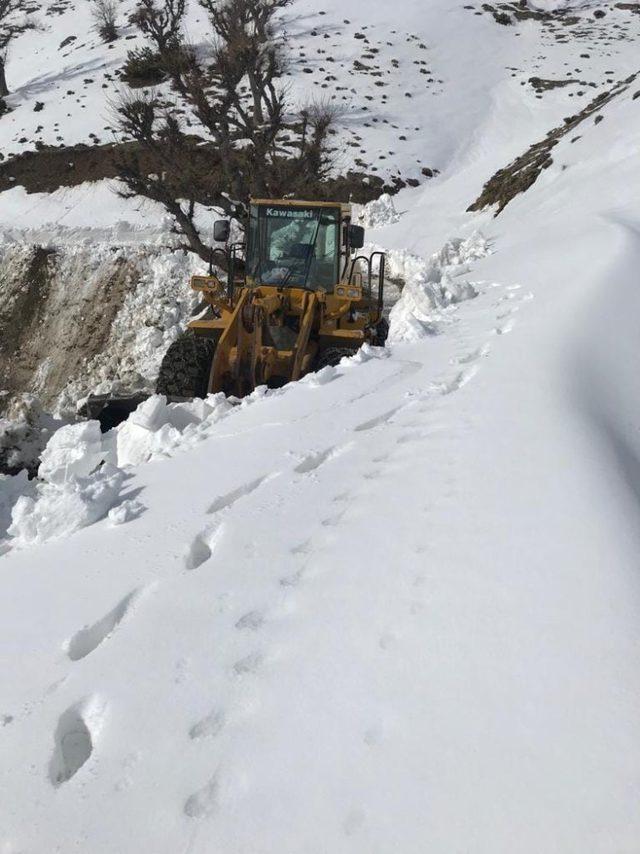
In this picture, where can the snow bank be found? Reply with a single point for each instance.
(78, 485)
(81, 470)
(73, 451)
(11, 490)
(58, 510)
(431, 286)
(158, 428)
(378, 213)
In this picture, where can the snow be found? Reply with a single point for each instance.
(66, 214)
(394, 606)
(431, 285)
(125, 511)
(57, 510)
(74, 450)
(158, 429)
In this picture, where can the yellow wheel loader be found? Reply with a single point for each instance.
(303, 299)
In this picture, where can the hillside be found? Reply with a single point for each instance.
(394, 606)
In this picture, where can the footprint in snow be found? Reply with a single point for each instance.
(505, 328)
(474, 355)
(412, 436)
(506, 298)
(372, 475)
(226, 501)
(386, 640)
(353, 822)
(303, 548)
(249, 664)
(74, 739)
(253, 620)
(458, 381)
(209, 726)
(377, 421)
(202, 546)
(372, 736)
(90, 637)
(292, 580)
(333, 521)
(204, 802)
(312, 462)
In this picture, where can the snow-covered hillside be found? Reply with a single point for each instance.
(394, 606)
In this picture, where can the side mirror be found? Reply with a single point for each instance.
(356, 236)
(221, 230)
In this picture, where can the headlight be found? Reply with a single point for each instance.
(340, 292)
(353, 293)
(203, 283)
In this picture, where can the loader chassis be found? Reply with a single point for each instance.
(304, 299)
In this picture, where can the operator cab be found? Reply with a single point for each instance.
(299, 244)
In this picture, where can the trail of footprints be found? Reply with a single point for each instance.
(80, 724)
(203, 545)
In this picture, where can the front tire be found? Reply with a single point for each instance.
(381, 332)
(186, 366)
(332, 356)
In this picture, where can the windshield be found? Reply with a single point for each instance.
(294, 246)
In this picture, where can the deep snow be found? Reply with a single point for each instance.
(392, 607)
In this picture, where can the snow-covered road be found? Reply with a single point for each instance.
(395, 607)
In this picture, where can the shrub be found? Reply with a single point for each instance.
(104, 17)
(143, 67)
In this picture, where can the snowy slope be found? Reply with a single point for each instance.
(395, 606)
(440, 73)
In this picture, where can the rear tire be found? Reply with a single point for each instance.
(186, 366)
(332, 356)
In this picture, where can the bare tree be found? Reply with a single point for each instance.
(104, 15)
(14, 20)
(182, 173)
(162, 24)
(255, 142)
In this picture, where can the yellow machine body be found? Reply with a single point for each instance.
(272, 332)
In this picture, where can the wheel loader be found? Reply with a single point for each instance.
(298, 297)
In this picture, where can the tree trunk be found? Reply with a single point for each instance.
(3, 80)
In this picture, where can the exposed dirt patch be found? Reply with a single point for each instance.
(542, 85)
(523, 172)
(39, 348)
(563, 25)
(50, 168)
(508, 13)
